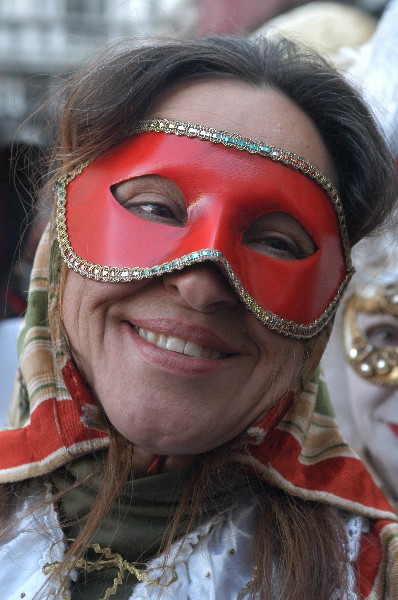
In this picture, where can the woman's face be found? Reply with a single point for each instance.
(374, 407)
(177, 362)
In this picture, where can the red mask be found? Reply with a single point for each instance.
(224, 192)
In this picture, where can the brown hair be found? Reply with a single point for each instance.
(102, 104)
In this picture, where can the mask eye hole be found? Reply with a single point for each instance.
(279, 235)
(152, 198)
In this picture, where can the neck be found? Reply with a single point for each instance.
(145, 463)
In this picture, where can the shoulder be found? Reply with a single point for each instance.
(35, 541)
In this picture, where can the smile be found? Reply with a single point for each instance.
(175, 344)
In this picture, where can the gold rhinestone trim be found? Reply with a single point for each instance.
(117, 274)
(384, 299)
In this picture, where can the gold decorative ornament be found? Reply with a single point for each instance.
(378, 365)
(111, 560)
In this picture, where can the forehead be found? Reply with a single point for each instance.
(249, 111)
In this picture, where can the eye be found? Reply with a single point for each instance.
(276, 244)
(153, 207)
(382, 335)
(279, 235)
(381, 329)
(152, 198)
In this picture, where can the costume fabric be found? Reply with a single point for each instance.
(212, 559)
(297, 447)
(374, 289)
(136, 524)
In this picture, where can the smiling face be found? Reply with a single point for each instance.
(178, 363)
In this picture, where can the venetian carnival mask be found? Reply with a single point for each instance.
(227, 182)
(373, 356)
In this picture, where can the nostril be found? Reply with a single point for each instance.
(202, 287)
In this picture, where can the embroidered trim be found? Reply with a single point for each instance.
(245, 590)
(118, 274)
(112, 559)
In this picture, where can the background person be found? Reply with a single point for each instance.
(364, 375)
(370, 337)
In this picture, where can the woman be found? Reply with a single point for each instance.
(173, 438)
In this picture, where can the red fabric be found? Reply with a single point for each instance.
(345, 477)
(225, 190)
(54, 425)
(370, 556)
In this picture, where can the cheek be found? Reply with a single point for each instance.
(82, 296)
(84, 306)
(282, 357)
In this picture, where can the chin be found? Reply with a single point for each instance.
(155, 444)
(172, 447)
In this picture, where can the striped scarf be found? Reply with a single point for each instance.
(297, 447)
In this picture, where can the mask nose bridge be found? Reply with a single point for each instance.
(214, 223)
(215, 229)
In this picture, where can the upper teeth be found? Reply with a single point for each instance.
(175, 344)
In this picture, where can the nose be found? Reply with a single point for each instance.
(201, 287)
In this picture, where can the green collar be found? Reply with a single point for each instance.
(137, 523)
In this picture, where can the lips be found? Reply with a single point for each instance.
(188, 339)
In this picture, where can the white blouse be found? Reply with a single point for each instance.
(212, 562)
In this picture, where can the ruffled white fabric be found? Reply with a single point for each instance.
(373, 70)
(37, 540)
(213, 562)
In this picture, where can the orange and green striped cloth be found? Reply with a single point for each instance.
(298, 446)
